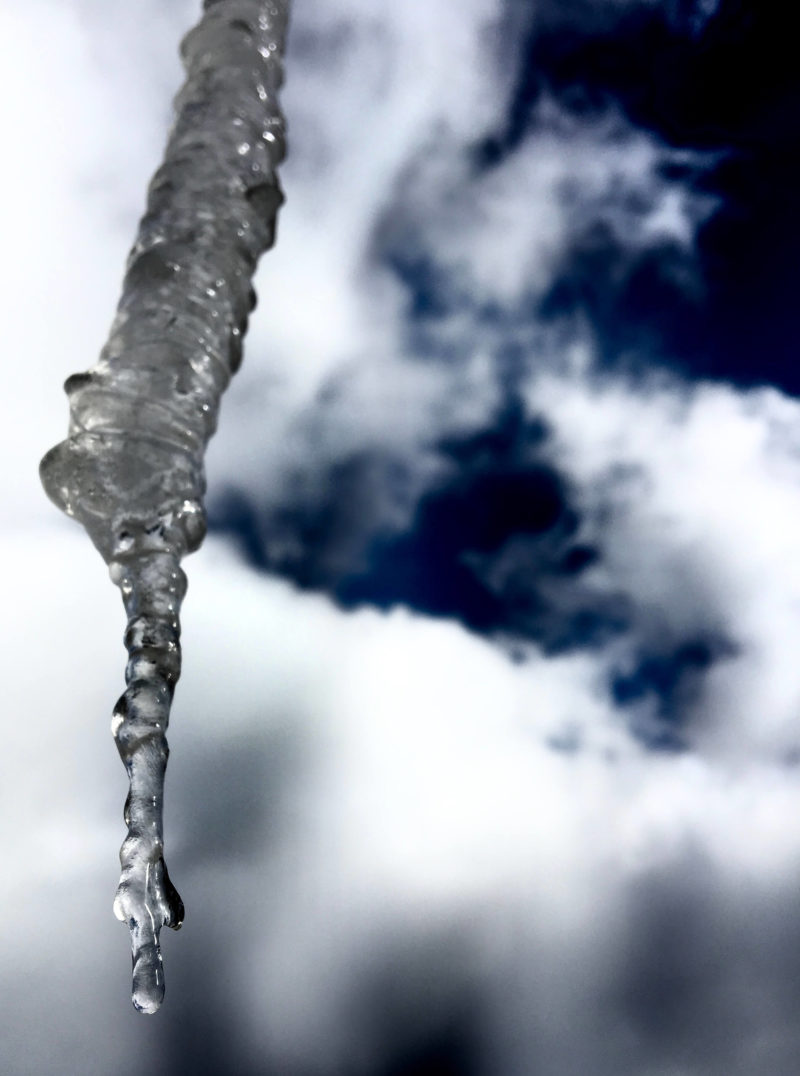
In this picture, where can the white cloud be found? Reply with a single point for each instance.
(697, 493)
(409, 805)
(499, 235)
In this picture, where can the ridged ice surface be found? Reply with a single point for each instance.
(131, 469)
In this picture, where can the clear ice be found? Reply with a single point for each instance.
(131, 469)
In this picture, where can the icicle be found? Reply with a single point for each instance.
(131, 469)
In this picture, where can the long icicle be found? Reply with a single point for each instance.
(131, 469)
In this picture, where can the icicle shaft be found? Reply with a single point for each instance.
(153, 586)
(131, 469)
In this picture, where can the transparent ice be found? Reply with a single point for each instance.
(131, 469)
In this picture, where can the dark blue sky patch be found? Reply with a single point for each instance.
(591, 56)
(658, 688)
(733, 83)
(493, 542)
(431, 567)
(731, 89)
(577, 558)
(320, 531)
(722, 91)
(625, 294)
(483, 510)
(430, 294)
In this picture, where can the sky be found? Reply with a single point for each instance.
(485, 759)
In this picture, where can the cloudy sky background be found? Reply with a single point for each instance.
(486, 753)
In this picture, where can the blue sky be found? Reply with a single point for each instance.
(484, 757)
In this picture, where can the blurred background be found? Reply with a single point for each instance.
(485, 752)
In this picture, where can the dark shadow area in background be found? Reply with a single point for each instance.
(232, 798)
(423, 1007)
(697, 977)
(416, 1009)
(446, 1052)
(236, 791)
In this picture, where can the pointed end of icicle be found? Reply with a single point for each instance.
(145, 913)
(147, 992)
(146, 1005)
